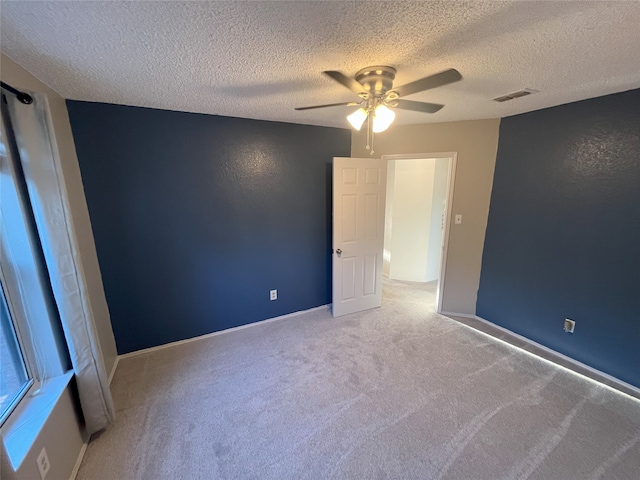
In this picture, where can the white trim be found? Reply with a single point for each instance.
(221, 332)
(616, 384)
(453, 163)
(418, 156)
(463, 315)
(570, 360)
(113, 369)
(451, 180)
(76, 467)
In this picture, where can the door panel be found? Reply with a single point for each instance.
(358, 233)
(371, 212)
(370, 280)
(348, 277)
(349, 219)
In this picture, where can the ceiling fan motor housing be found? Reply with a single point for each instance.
(377, 79)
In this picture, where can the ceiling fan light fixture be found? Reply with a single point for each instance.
(357, 118)
(383, 117)
(374, 86)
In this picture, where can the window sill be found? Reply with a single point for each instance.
(21, 429)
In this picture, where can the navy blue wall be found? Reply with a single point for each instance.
(196, 217)
(563, 238)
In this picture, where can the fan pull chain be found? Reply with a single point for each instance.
(370, 133)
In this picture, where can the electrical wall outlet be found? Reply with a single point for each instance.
(569, 325)
(43, 464)
(273, 294)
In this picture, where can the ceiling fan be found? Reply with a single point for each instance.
(374, 86)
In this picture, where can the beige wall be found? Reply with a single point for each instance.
(16, 76)
(476, 143)
(62, 438)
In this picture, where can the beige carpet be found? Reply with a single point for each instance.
(398, 392)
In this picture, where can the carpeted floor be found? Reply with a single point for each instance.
(397, 392)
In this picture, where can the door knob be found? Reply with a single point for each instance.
(338, 251)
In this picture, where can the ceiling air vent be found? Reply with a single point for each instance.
(518, 94)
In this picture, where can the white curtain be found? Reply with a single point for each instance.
(42, 169)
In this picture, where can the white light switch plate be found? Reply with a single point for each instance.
(458, 219)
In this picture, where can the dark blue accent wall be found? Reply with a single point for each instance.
(563, 237)
(196, 217)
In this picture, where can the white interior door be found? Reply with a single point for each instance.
(358, 233)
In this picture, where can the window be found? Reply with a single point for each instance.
(14, 378)
(31, 340)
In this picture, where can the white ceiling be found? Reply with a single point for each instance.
(262, 59)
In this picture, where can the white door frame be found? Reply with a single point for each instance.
(453, 156)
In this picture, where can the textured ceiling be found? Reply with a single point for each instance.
(262, 59)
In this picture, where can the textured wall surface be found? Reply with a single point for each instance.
(197, 217)
(563, 237)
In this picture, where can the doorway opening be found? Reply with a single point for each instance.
(419, 195)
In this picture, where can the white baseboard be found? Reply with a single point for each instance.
(113, 369)
(572, 361)
(221, 332)
(573, 365)
(76, 467)
(463, 315)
